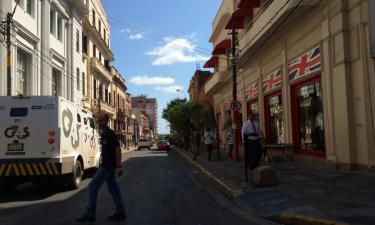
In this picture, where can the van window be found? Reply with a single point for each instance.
(18, 112)
(92, 124)
(85, 120)
(78, 118)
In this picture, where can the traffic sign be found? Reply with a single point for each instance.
(235, 105)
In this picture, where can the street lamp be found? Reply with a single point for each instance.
(182, 91)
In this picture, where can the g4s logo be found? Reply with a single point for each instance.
(15, 130)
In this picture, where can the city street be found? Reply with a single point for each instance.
(159, 188)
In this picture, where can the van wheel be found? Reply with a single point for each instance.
(74, 179)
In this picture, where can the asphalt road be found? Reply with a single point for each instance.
(159, 189)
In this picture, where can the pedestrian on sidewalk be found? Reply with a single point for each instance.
(209, 142)
(196, 142)
(253, 135)
(109, 168)
(230, 139)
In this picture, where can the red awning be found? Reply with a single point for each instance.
(222, 47)
(212, 62)
(249, 4)
(236, 21)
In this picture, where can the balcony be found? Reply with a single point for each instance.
(268, 19)
(216, 81)
(99, 67)
(101, 42)
(102, 106)
(80, 5)
(120, 115)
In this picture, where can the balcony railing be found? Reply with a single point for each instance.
(99, 67)
(99, 105)
(216, 81)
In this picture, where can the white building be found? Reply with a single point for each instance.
(46, 48)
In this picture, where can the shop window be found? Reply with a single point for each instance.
(309, 129)
(274, 119)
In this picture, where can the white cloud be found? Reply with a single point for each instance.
(157, 80)
(125, 30)
(175, 50)
(136, 36)
(170, 89)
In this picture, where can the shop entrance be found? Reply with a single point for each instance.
(274, 120)
(307, 109)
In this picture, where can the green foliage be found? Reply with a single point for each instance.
(185, 116)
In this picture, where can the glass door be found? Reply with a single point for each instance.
(273, 109)
(308, 126)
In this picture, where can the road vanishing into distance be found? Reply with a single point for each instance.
(159, 188)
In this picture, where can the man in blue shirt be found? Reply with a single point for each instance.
(109, 168)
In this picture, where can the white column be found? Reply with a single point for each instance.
(46, 70)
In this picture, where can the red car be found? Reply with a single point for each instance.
(164, 145)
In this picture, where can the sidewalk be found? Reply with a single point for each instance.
(307, 193)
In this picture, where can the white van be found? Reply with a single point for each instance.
(46, 136)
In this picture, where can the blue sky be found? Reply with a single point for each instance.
(156, 44)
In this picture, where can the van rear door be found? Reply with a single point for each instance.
(28, 127)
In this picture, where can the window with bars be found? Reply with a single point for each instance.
(83, 83)
(78, 75)
(77, 40)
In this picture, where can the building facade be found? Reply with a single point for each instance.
(196, 87)
(43, 54)
(304, 67)
(149, 105)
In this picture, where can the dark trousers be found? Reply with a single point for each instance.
(209, 148)
(253, 153)
(230, 150)
(195, 151)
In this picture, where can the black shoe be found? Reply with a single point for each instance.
(85, 218)
(117, 216)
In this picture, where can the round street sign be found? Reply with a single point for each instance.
(235, 105)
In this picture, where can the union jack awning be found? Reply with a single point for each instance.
(306, 64)
(272, 80)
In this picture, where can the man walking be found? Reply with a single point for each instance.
(252, 134)
(109, 168)
(230, 139)
(196, 143)
(209, 142)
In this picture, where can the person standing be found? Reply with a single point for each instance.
(196, 143)
(230, 139)
(209, 142)
(252, 134)
(109, 168)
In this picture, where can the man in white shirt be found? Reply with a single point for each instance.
(252, 135)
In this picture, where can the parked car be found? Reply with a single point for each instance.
(164, 145)
(144, 143)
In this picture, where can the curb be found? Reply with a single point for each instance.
(294, 219)
(283, 218)
(227, 191)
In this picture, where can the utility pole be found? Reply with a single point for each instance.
(9, 55)
(235, 104)
(8, 42)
